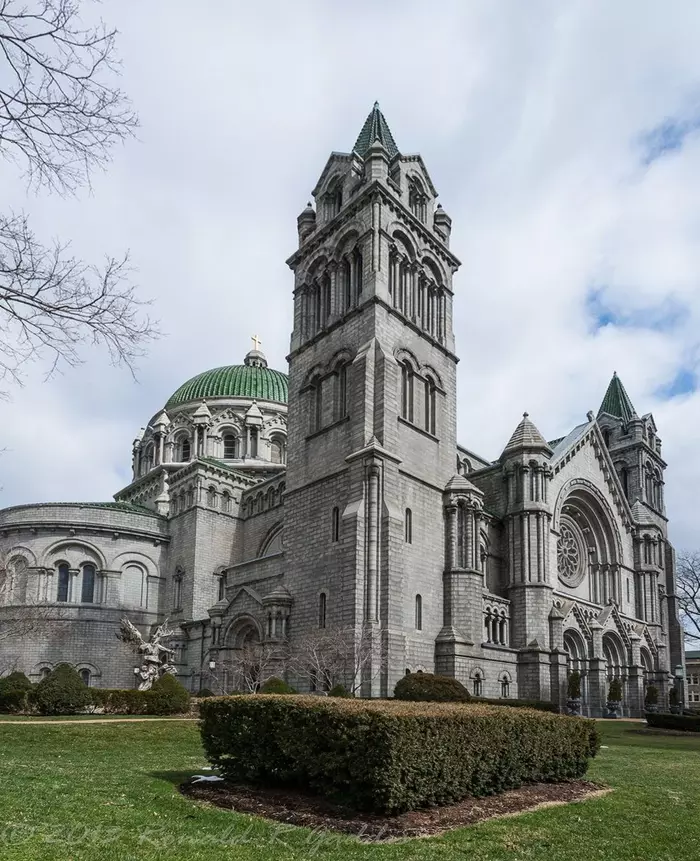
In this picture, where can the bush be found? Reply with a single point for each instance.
(651, 697)
(538, 705)
(615, 691)
(117, 701)
(62, 692)
(276, 686)
(687, 723)
(425, 687)
(205, 692)
(389, 756)
(573, 685)
(167, 697)
(339, 691)
(14, 691)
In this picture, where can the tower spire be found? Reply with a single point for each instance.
(617, 402)
(375, 128)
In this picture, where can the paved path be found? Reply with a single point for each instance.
(80, 721)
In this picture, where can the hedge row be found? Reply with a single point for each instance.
(166, 697)
(538, 705)
(389, 756)
(689, 723)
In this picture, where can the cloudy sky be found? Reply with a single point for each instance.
(563, 137)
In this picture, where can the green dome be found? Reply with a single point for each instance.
(253, 381)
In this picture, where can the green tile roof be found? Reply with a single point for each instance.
(375, 128)
(616, 401)
(233, 381)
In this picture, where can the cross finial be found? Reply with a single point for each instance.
(256, 342)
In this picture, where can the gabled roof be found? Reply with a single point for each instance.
(561, 445)
(526, 436)
(375, 128)
(617, 402)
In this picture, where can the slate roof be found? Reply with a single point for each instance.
(616, 401)
(526, 436)
(375, 128)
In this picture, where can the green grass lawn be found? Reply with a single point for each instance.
(108, 792)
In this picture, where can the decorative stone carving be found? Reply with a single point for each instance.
(154, 654)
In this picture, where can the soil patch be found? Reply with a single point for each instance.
(297, 808)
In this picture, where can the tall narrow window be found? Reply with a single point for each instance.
(185, 450)
(624, 480)
(407, 392)
(276, 450)
(419, 613)
(316, 405)
(342, 392)
(357, 273)
(226, 502)
(88, 588)
(345, 275)
(430, 406)
(63, 582)
(322, 603)
(222, 588)
(253, 442)
(335, 525)
(505, 688)
(230, 446)
(177, 592)
(408, 526)
(477, 684)
(85, 676)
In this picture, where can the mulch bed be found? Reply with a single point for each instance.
(298, 808)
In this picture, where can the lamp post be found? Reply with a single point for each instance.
(679, 674)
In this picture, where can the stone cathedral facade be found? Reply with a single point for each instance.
(265, 506)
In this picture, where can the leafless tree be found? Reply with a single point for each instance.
(253, 663)
(688, 587)
(331, 656)
(60, 116)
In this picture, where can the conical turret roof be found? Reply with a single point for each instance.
(526, 437)
(375, 128)
(616, 401)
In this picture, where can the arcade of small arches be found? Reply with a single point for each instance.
(332, 287)
(616, 655)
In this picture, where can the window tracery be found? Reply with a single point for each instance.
(570, 556)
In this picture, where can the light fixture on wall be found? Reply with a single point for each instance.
(212, 665)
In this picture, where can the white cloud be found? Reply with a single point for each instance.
(530, 118)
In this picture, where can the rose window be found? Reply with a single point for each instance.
(570, 556)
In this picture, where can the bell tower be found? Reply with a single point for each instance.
(372, 436)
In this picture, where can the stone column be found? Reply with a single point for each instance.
(596, 683)
(635, 679)
(372, 541)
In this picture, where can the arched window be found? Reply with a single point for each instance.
(87, 595)
(505, 687)
(419, 613)
(221, 590)
(477, 683)
(277, 452)
(211, 497)
(177, 592)
(335, 524)
(658, 494)
(341, 398)
(85, 676)
(316, 405)
(408, 526)
(44, 673)
(430, 406)
(649, 483)
(322, 602)
(63, 582)
(185, 449)
(149, 458)
(357, 275)
(624, 481)
(407, 391)
(230, 446)
(345, 275)
(606, 437)
(226, 502)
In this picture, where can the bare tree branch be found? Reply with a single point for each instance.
(52, 304)
(688, 590)
(21, 615)
(338, 656)
(252, 664)
(60, 114)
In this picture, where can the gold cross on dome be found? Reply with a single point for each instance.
(256, 342)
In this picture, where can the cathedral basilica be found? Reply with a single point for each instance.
(266, 505)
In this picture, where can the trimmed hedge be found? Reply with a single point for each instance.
(662, 720)
(62, 692)
(538, 705)
(164, 698)
(14, 692)
(425, 687)
(276, 686)
(389, 756)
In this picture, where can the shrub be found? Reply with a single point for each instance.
(425, 687)
(339, 691)
(389, 756)
(687, 723)
(62, 692)
(573, 685)
(167, 697)
(205, 692)
(615, 691)
(118, 701)
(276, 686)
(538, 705)
(651, 697)
(14, 691)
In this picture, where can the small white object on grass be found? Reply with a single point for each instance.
(206, 778)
